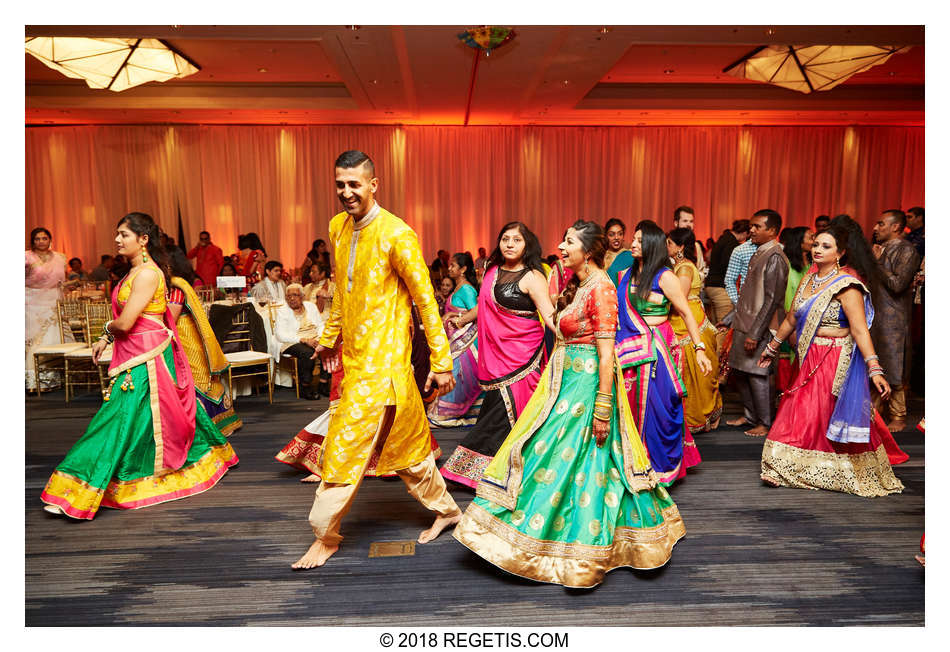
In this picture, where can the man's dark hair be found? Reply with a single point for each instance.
(773, 220)
(353, 158)
(204, 233)
(897, 217)
(822, 218)
(683, 209)
(916, 211)
(105, 258)
(740, 226)
(72, 260)
(271, 264)
(612, 222)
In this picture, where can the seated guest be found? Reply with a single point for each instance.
(120, 267)
(101, 272)
(298, 327)
(76, 272)
(271, 289)
(320, 289)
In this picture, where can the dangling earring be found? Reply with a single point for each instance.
(837, 265)
(586, 266)
(144, 256)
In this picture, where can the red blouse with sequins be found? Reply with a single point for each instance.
(593, 312)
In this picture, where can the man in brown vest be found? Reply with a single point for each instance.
(757, 316)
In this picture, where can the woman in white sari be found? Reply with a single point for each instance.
(45, 271)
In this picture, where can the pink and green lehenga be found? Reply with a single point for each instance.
(148, 443)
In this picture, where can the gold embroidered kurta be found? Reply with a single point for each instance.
(381, 273)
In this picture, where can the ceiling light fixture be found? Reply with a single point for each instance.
(111, 63)
(808, 68)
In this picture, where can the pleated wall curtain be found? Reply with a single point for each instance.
(456, 185)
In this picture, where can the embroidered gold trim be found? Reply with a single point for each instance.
(672, 527)
(866, 474)
(143, 357)
(156, 417)
(533, 365)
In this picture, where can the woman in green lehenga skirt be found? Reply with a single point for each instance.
(148, 443)
(571, 495)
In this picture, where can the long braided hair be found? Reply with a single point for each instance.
(594, 243)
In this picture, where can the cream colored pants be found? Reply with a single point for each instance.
(895, 407)
(423, 480)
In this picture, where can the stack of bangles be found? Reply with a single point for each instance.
(772, 351)
(602, 406)
(874, 366)
(106, 335)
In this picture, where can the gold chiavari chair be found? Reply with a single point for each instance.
(245, 360)
(79, 369)
(53, 356)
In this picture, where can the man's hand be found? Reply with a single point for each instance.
(750, 345)
(444, 381)
(877, 250)
(329, 358)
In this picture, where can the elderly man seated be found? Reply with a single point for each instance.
(298, 327)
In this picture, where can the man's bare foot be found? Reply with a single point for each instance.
(438, 525)
(896, 425)
(741, 421)
(317, 556)
(758, 431)
(313, 477)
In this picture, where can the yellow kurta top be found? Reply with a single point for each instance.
(371, 313)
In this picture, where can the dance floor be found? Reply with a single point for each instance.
(753, 555)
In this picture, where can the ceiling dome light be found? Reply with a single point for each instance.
(111, 63)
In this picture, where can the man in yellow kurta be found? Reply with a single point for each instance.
(380, 273)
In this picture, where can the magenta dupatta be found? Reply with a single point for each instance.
(510, 346)
(173, 404)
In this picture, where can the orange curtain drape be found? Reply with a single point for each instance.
(456, 185)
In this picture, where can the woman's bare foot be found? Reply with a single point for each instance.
(920, 558)
(758, 431)
(741, 421)
(438, 525)
(313, 477)
(317, 555)
(53, 509)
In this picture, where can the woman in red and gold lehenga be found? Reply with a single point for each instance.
(826, 434)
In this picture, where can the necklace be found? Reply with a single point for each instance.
(818, 280)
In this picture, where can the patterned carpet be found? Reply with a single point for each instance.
(753, 555)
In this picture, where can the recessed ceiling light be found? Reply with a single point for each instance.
(374, 81)
(353, 27)
(770, 31)
(668, 71)
(262, 70)
(567, 81)
(604, 30)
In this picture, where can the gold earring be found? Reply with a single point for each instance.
(587, 266)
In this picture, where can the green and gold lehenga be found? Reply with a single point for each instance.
(149, 442)
(553, 506)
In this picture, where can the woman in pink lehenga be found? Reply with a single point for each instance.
(510, 350)
(45, 272)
